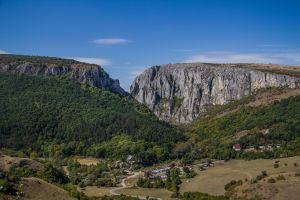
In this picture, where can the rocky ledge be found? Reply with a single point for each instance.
(90, 74)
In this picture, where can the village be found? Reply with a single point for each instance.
(261, 148)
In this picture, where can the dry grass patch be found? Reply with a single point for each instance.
(88, 160)
(212, 181)
(144, 192)
(94, 191)
(279, 189)
(6, 162)
(37, 189)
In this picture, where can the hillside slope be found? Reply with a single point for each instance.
(251, 122)
(54, 116)
(179, 93)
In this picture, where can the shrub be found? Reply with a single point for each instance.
(280, 177)
(253, 181)
(6, 187)
(232, 184)
(262, 175)
(276, 165)
(271, 180)
(52, 174)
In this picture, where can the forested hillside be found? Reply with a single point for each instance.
(52, 116)
(261, 131)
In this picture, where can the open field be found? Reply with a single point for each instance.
(212, 180)
(94, 191)
(37, 189)
(87, 160)
(143, 192)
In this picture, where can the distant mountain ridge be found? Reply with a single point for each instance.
(90, 74)
(179, 93)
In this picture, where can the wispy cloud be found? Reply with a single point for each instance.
(292, 58)
(111, 41)
(98, 61)
(3, 52)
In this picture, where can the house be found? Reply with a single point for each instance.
(162, 170)
(269, 148)
(266, 148)
(262, 147)
(250, 148)
(237, 147)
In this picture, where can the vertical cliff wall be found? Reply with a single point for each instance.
(180, 92)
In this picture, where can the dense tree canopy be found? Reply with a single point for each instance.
(277, 124)
(56, 116)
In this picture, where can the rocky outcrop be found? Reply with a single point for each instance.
(179, 93)
(90, 74)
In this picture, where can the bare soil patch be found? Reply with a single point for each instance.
(37, 189)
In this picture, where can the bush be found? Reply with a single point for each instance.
(276, 165)
(189, 173)
(271, 180)
(52, 174)
(6, 187)
(232, 184)
(262, 175)
(280, 177)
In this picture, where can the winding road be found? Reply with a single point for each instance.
(124, 185)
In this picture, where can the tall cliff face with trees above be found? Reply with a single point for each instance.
(90, 74)
(179, 93)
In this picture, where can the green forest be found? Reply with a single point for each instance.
(55, 117)
(213, 136)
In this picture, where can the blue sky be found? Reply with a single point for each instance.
(126, 36)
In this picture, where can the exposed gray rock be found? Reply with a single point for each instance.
(90, 74)
(178, 93)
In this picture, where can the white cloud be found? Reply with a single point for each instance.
(3, 52)
(111, 41)
(234, 57)
(98, 61)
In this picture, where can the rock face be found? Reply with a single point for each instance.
(178, 93)
(90, 74)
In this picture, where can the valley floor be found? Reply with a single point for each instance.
(213, 179)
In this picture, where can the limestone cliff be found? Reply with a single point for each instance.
(178, 93)
(90, 74)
